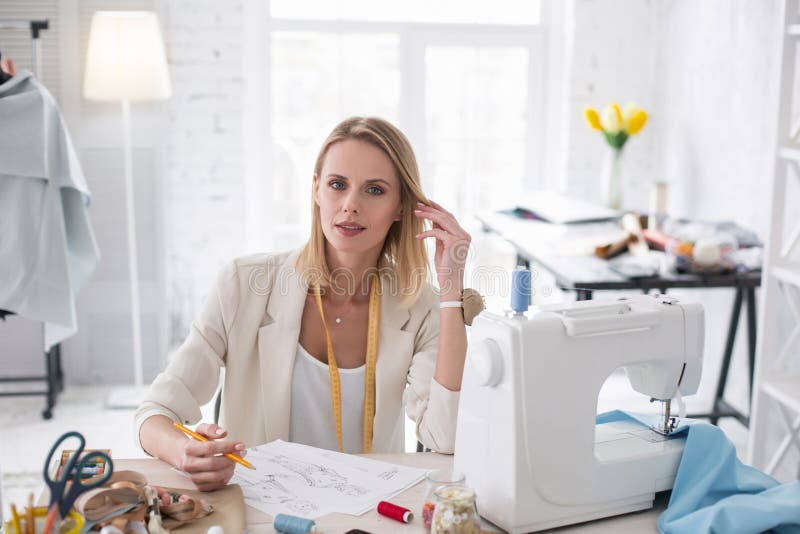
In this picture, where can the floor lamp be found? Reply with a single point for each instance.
(125, 62)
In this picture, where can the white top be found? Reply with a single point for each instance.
(311, 415)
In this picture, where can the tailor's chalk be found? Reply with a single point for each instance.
(216, 529)
(398, 513)
(92, 471)
(289, 524)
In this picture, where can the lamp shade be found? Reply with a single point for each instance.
(125, 59)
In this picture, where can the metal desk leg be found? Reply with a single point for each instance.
(58, 371)
(726, 359)
(52, 381)
(750, 292)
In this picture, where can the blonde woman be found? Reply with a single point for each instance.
(351, 312)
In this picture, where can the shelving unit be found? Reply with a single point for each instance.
(776, 388)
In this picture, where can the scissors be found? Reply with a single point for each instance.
(70, 485)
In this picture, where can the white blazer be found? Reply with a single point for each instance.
(250, 325)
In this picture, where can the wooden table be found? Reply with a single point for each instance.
(160, 473)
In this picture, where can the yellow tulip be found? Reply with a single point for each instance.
(637, 122)
(611, 119)
(627, 113)
(617, 111)
(592, 118)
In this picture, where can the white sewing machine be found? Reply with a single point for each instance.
(527, 440)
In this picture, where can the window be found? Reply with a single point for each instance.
(463, 81)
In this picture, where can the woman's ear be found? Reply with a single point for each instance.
(315, 189)
(399, 215)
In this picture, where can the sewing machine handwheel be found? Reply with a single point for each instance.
(487, 360)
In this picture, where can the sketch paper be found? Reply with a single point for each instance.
(310, 482)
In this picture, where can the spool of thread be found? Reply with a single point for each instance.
(289, 524)
(520, 289)
(398, 513)
(707, 252)
(658, 205)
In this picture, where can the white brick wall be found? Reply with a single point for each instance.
(204, 171)
(613, 60)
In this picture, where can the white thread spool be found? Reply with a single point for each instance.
(706, 252)
(658, 206)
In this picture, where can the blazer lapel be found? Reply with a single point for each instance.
(395, 349)
(277, 347)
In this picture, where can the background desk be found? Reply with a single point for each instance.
(160, 473)
(543, 245)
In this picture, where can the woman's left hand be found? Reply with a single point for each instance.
(452, 247)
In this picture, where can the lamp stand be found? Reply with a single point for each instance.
(131, 397)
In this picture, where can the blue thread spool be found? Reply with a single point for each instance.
(289, 524)
(520, 289)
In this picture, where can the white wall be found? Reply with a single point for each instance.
(204, 169)
(707, 72)
(718, 98)
(613, 59)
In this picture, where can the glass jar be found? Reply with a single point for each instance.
(433, 481)
(455, 511)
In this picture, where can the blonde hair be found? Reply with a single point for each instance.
(404, 256)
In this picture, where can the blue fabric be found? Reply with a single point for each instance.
(715, 492)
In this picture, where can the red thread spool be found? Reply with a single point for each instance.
(395, 512)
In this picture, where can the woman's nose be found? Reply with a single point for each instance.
(351, 203)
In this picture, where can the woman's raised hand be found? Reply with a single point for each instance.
(452, 247)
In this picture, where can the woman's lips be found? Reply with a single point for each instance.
(349, 231)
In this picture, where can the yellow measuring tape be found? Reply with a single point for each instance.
(369, 375)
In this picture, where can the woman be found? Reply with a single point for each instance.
(350, 310)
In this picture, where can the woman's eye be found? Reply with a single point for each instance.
(336, 184)
(375, 190)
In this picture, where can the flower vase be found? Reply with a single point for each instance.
(612, 174)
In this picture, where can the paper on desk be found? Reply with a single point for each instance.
(306, 481)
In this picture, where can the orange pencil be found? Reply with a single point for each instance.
(30, 525)
(15, 519)
(199, 437)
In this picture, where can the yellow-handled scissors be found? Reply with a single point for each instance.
(71, 484)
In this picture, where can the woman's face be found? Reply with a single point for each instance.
(358, 195)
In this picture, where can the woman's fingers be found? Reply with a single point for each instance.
(211, 480)
(211, 430)
(211, 448)
(206, 464)
(442, 217)
(439, 234)
(207, 456)
(439, 206)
